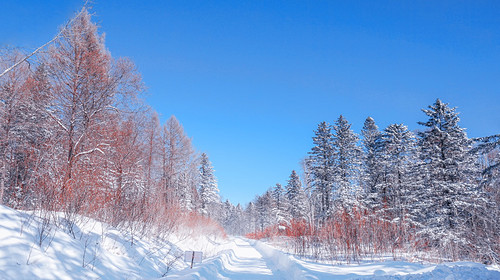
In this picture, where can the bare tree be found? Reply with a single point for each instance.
(87, 87)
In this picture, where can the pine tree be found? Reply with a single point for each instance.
(321, 164)
(448, 195)
(251, 217)
(347, 163)
(488, 149)
(371, 163)
(264, 208)
(281, 205)
(208, 190)
(296, 197)
(396, 188)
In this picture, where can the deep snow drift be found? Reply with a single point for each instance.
(97, 251)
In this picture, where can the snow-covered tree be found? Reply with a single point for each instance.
(449, 194)
(321, 164)
(489, 148)
(371, 162)
(87, 87)
(396, 187)
(264, 205)
(208, 189)
(25, 128)
(281, 204)
(251, 217)
(296, 197)
(347, 161)
(177, 157)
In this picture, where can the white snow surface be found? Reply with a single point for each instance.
(98, 251)
(250, 259)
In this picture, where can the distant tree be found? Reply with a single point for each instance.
(296, 197)
(177, 155)
(281, 204)
(251, 217)
(152, 152)
(264, 209)
(307, 183)
(209, 192)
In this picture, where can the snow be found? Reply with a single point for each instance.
(249, 259)
(99, 251)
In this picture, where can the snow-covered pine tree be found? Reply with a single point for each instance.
(184, 191)
(489, 148)
(297, 197)
(264, 208)
(281, 205)
(230, 218)
(250, 213)
(208, 190)
(346, 168)
(240, 225)
(321, 164)
(449, 194)
(398, 152)
(371, 169)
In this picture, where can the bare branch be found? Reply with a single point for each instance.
(44, 45)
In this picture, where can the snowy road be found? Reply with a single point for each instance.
(241, 261)
(246, 259)
(249, 259)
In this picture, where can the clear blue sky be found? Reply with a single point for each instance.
(250, 80)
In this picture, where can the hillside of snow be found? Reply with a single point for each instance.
(33, 249)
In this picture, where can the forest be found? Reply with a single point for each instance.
(434, 192)
(76, 137)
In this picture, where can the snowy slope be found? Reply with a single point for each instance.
(98, 251)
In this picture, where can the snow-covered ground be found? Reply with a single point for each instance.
(249, 259)
(98, 251)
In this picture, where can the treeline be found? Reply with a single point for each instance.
(435, 192)
(76, 138)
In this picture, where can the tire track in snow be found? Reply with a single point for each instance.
(241, 261)
(279, 263)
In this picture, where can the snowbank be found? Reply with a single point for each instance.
(33, 248)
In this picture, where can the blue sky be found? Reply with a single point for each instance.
(250, 80)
